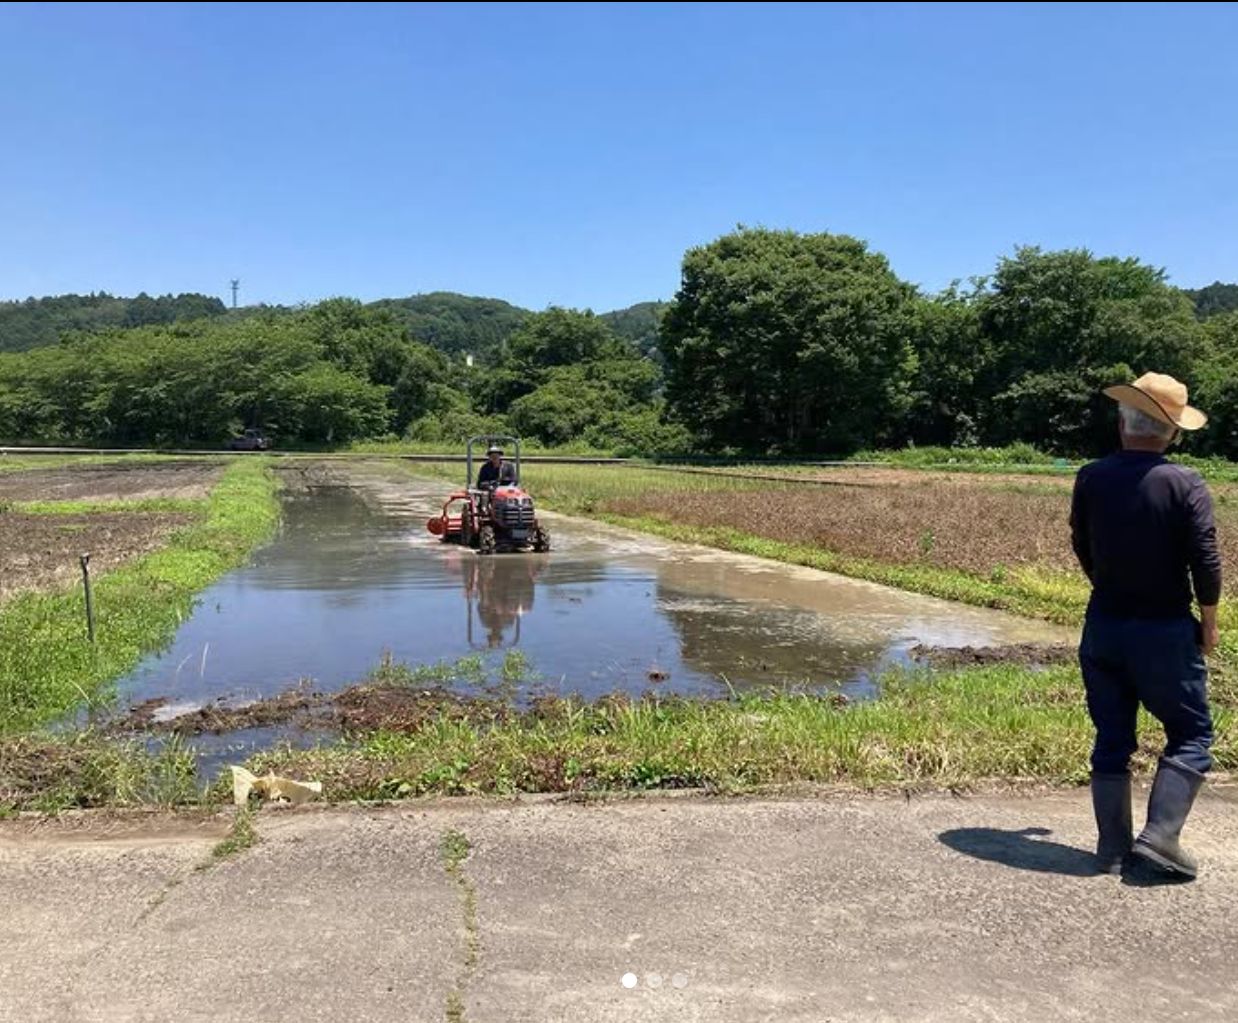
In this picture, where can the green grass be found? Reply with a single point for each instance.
(173, 505)
(1023, 459)
(965, 729)
(241, 836)
(454, 848)
(20, 463)
(470, 669)
(934, 457)
(957, 729)
(583, 489)
(76, 770)
(47, 666)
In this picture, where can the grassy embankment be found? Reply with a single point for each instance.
(48, 668)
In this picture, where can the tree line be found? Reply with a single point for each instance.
(799, 343)
(330, 374)
(43, 321)
(776, 343)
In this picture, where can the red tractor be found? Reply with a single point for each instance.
(494, 515)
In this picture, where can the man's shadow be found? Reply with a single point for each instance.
(1024, 849)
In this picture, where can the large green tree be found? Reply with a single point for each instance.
(1058, 326)
(789, 342)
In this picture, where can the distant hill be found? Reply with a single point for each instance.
(452, 323)
(1214, 299)
(42, 321)
(638, 323)
(456, 324)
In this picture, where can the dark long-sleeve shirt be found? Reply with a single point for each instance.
(489, 473)
(1142, 529)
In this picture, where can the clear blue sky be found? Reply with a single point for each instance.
(570, 154)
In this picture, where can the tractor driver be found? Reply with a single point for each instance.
(494, 473)
(491, 469)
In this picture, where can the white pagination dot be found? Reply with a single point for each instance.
(654, 980)
(628, 980)
(680, 980)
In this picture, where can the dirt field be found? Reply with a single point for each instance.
(970, 523)
(135, 481)
(359, 709)
(40, 552)
(878, 476)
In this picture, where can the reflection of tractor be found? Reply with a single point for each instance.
(495, 515)
(499, 594)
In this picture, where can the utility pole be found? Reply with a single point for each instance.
(235, 284)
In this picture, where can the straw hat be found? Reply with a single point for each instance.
(1161, 397)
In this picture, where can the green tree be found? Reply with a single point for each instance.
(951, 352)
(563, 337)
(1067, 323)
(539, 355)
(1217, 393)
(778, 341)
(326, 405)
(37, 322)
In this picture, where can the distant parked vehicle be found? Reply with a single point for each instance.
(251, 440)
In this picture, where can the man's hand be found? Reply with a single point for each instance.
(1211, 633)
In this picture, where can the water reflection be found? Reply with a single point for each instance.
(498, 593)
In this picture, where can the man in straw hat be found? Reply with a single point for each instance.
(1142, 529)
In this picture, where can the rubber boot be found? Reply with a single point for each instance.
(1173, 793)
(1111, 800)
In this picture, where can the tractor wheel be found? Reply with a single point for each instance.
(541, 540)
(486, 541)
(467, 533)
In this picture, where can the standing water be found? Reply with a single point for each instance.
(353, 576)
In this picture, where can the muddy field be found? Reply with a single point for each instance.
(40, 552)
(1025, 655)
(356, 710)
(118, 481)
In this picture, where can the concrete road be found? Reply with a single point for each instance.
(677, 909)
